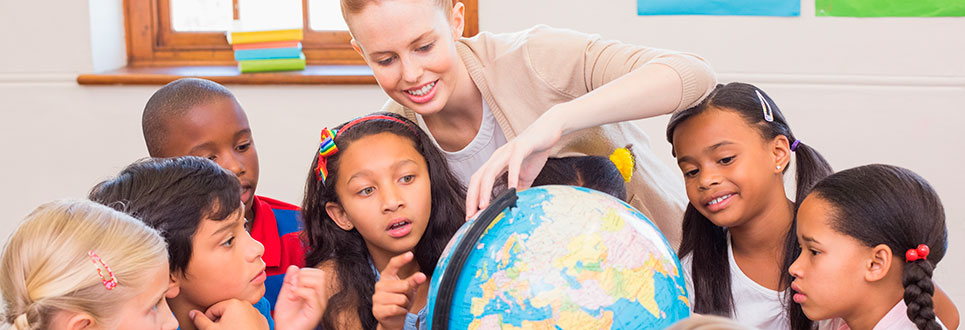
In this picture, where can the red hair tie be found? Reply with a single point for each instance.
(920, 253)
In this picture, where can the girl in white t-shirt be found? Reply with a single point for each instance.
(733, 149)
(871, 237)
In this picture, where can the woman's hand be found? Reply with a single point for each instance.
(523, 156)
(393, 295)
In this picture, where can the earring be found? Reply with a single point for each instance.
(778, 166)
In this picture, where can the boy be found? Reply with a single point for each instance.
(196, 205)
(199, 117)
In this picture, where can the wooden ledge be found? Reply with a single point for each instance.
(312, 75)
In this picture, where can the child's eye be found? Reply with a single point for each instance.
(691, 173)
(407, 178)
(726, 160)
(229, 242)
(426, 48)
(244, 146)
(814, 252)
(212, 157)
(367, 191)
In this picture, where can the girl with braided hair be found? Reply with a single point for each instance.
(871, 237)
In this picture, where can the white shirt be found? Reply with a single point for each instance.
(754, 305)
(465, 162)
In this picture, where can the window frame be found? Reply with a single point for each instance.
(151, 40)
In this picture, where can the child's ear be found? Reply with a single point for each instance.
(781, 150)
(879, 264)
(458, 19)
(337, 213)
(80, 321)
(174, 287)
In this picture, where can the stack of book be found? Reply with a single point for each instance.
(268, 50)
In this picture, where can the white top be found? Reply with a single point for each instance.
(754, 305)
(896, 319)
(465, 162)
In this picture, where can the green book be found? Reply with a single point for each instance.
(279, 64)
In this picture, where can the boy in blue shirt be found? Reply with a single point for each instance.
(196, 205)
(202, 118)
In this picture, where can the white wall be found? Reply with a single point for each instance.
(859, 90)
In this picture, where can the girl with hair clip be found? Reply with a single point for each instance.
(870, 239)
(733, 149)
(380, 205)
(82, 265)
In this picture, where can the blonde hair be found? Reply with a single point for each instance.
(47, 268)
(356, 6)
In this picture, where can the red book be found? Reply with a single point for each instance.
(270, 44)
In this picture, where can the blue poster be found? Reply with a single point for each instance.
(720, 7)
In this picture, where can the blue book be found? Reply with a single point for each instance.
(268, 53)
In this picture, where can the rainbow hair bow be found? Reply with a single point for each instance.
(325, 150)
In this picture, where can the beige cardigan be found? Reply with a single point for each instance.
(523, 74)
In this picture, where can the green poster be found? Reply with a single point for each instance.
(889, 8)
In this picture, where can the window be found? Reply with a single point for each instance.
(191, 32)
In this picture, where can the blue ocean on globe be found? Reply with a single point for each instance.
(558, 257)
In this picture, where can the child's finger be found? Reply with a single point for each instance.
(290, 281)
(200, 320)
(414, 281)
(392, 268)
(393, 286)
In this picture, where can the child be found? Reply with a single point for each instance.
(498, 101)
(870, 238)
(733, 149)
(196, 205)
(79, 264)
(199, 117)
(379, 197)
(595, 172)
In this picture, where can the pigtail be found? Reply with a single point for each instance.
(919, 289)
(706, 243)
(811, 168)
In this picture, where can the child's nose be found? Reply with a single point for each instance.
(231, 163)
(708, 178)
(795, 268)
(255, 249)
(392, 199)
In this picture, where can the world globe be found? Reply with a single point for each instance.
(557, 257)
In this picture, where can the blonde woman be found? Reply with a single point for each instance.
(82, 265)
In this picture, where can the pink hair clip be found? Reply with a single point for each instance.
(109, 281)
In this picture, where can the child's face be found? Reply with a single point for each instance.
(384, 188)
(225, 263)
(217, 130)
(149, 309)
(410, 46)
(729, 170)
(829, 273)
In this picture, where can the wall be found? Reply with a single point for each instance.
(859, 90)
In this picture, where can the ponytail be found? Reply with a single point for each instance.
(919, 289)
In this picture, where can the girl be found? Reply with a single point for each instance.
(870, 238)
(733, 149)
(380, 195)
(498, 101)
(79, 264)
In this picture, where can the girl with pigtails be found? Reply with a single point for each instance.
(871, 237)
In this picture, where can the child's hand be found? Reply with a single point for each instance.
(393, 296)
(230, 314)
(301, 300)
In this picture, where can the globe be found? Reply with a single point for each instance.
(557, 257)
